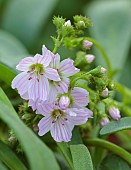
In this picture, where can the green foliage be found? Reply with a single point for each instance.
(113, 162)
(28, 20)
(9, 158)
(26, 26)
(112, 28)
(11, 49)
(81, 157)
(28, 140)
(115, 126)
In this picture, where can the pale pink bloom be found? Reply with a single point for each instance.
(87, 44)
(64, 102)
(33, 83)
(89, 58)
(105, 92)
(103, 70)
(65, 69)
(61, 122)
(104, 121)
(114, 113)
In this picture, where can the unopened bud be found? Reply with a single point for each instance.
(26, 117)
(104, 121)
(67, 23)
(81, 23)
(103, 70)
(87, 44)
(114, 113)
(89, 58)
(105, 92)
(64, 102)
(35, 128)
(12, 139)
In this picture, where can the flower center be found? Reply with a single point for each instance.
(59, 115)
(38, 68)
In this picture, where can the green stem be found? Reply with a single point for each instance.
(57, 44)
(106, 58)
(112, 147)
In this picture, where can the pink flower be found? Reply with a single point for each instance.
(61, 122)
(104, 121)
(87, 44)
(65, 69)
(114, 113)
(33, 83)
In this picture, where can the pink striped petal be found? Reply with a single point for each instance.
(61, 132)
(25, 63)
(21, 82)
(38, 88)
(42, 59)
(52, 74)
(67, 68)
(47, 56)
(78, 116)
(62, 86)
(44, 125)
(79, 96)
(45, 108)
(55, 63)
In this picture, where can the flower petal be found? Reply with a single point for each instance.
(62, 86)
(47, 56)
(21, 82)
(42, 59)
(55, 63)
(53, 93)
(44, 125)
(52, 74)
(61, 132)
(25, 63)
(38, 88)
(79, 96)
(45, 108)
(67, 68)
(80, 116)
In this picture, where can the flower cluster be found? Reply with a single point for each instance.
(44, 82)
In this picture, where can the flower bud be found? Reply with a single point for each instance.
(89, 58)
(104, 121)
(64, 102)
(87, 44)
(81, 23)
(12, 139)
(35, 128)
(105, 92)
(114, 113)
(67, 23)
(103, 70)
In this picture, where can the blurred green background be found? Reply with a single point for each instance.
(25, 25)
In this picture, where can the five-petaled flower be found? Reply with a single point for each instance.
(32, 83)
(63, 114)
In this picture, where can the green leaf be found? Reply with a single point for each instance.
(11, 49)
(9, 158)
(38, 154)
(113, 162)
(115, 126)
(2, 166)
(112, 29)
(6, 74)
(64, 147)
(27, 21)
(81, 157)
